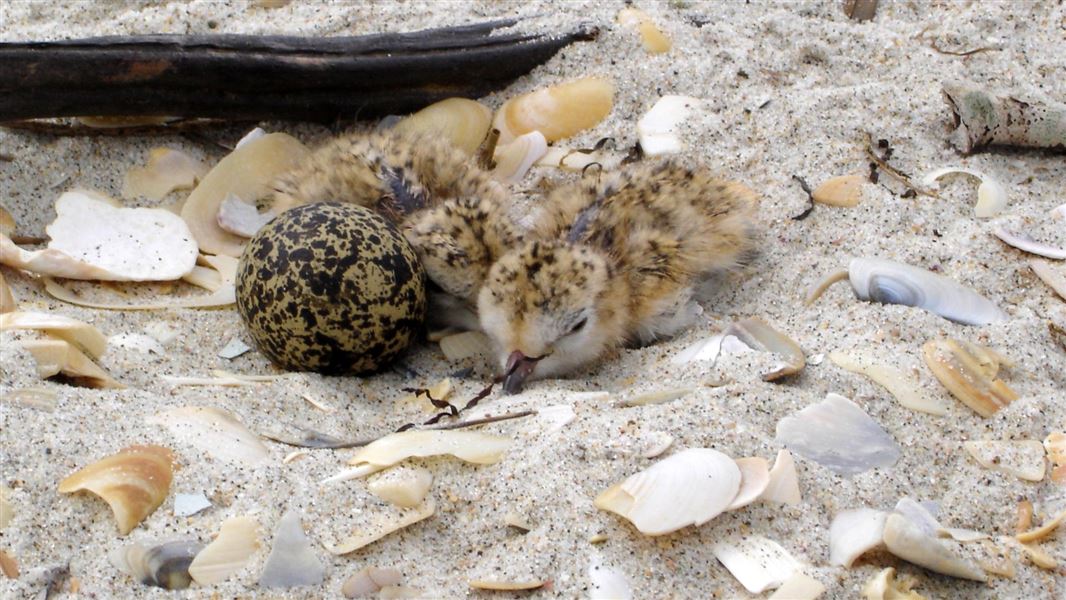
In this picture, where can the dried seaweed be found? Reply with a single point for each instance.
(810, 196)
(882, 163)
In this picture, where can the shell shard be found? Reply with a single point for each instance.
(7, 299)
(891, 282)
(657, 129)
(167, 170)
(465, 345)
(237, 541)
(653, 39)
(241, 218)
(855, 532)
(784, 484)
(838, 435)
(558, 111)
(969, 371)
(165, 566)
(754, 479)
(798, 587)
(186, 505)
(885, 586)
(216, 432)
(514, 160)
(292, 562)
(757, 562)
(1054, 277)
(1043, 531)
(473, 447)
(56, 357)
(606, 583)
(7, 511)
(908, 541)
(892, 379)
(991, 196)
(383, 527)
(133, 482)
(758, 335)
(369, 581)
(688, 488)
(1028, 244)
(84, 336)
(462, 121)
(404, 487)
(1022, 459)
(844, 191)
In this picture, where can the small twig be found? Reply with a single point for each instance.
(892, 171)
(934, 46)
(488, 150)
(810, 196)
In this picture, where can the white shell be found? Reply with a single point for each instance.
(382, 526)
(292, 562)
(892, 282)
(1028, 244)
(754, 478)
(1054, 277)
(241, 218)
(471, 446)
(514, 160)
(798, 587)
(237, 541)
(991, 197)
(403, 486)
(216, 432)
(839, 435)
(186, 505)
(688, 488)
(855, 532)
(1023, 459)
(892, 379)
(758, 563)
(657, 129)
(906, 540)
(784, 484)
(607, 583)
(84, 336)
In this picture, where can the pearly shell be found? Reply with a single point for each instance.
(165, 565)
(855, 532)
(558, 111)
(757, 562)
(754, 478)
(292, 562)
(133, 482)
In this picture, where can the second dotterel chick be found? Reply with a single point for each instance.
(612, 262)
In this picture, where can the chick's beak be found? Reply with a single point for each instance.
(519, 366)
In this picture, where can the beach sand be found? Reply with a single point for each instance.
(789, 89)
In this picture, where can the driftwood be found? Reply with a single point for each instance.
(983, 119)
(241, 77)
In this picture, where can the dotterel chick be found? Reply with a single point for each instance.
(610, 263)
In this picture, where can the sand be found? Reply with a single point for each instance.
(789, 91)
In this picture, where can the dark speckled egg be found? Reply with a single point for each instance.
(332, 288)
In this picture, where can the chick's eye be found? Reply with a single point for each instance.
(577, 326)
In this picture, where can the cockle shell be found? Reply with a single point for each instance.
(133, 482)
(839, 435)
(292, 561)
(165, 565)
(688, 488)
(237, 541)
(891, 282)
(969, 371)
(558, 111)
(906, 540)
(757, 562)
(462, 121)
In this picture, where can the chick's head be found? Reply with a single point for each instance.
(549, 308)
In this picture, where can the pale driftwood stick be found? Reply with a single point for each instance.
(983, 119)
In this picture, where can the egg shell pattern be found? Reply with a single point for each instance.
(332, 288)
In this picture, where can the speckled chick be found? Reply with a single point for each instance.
(610, 262)
(449, 209)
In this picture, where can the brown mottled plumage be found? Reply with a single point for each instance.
(612, 262)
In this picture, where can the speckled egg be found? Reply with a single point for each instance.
(332, 288)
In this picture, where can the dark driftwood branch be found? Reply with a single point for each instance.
(984, 119)
(271, 77)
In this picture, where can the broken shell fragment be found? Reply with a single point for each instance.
(1054, 277)
(1023, 459)
(653, 38)
(892, 379)
(384, 526)
(7, 299)
(688, 488)
(369, 581)
(133, 482)
(507, 586)
(991, 196)
(514, 160)
(237, 541)
(473, 447)
(167, 170)
(655, 397)
(757, 562)
(1040, 558)
(1043, 531)
(754, 478)
(854, 533)
(241, 218)
(292, 562)
(798, 587)
(7, 512)
(462, 121)
(165, 566)
(784, 484)
(657, 130)
(1028, 244)
(403, 486)
(56, 357)
(885, 586)
(759, 336)
(87, 338)
(558, 111)
(969, 371)
(466, 345)
(186, 505)
(838, 435)
(906, 540)
(606, 583)
(214, 431)
(844, 191)
(1055, 444)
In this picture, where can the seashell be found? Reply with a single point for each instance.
(754, 478)
(885, 586)
(383, 527)
(133, 482)
(890, 282)
(844, 191)
(224, 296)
(241, 218)
(962, 535)
(507, 586)
(8, 565)
(756, 334)
(369, 581)
(968, 371)
(920, 514)
(186, 505)
(1055, 444)
(33, 397)
(84, 336)
(514, 160)
(7, 511)
(854, 533)
(907, 541)
(1043, 531)
(466, 345)
(657, 129)
(558, 111)
(1028, 244)
(249, 137)
(471, 446)
(758, 563)
(798, 587)
(237, 541)
(405, 487)
(54, 357)
(890, 378)
(1022, 459)
(838, 435)
(438, 391)
(292, 562)
(688, 488)
(654, 444)
(517, 521)
(165, 565)
(991, 196)
(655, 397)
(136, 342)
(233, 348)
(462, 121)
(1025, 516)
(1040, 558)
(783, 485)
(167, 170)
(1054, 277)
(654, 40)
(214, 431)
(557, 417)
(7, 299)
(246, 173)
(606, 583)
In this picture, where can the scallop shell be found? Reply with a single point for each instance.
(1023, 459)
(558, 111)
(754, 478)
(890, 282)
(84, 336)
(216, 432)
(854, 533)
(133, 482)
(369, 581)
(403, 486)
(462, 121)
(969, 371)
(165, 565)
(237, 541)
(757, 562)
(292, 562)
(688, 488)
